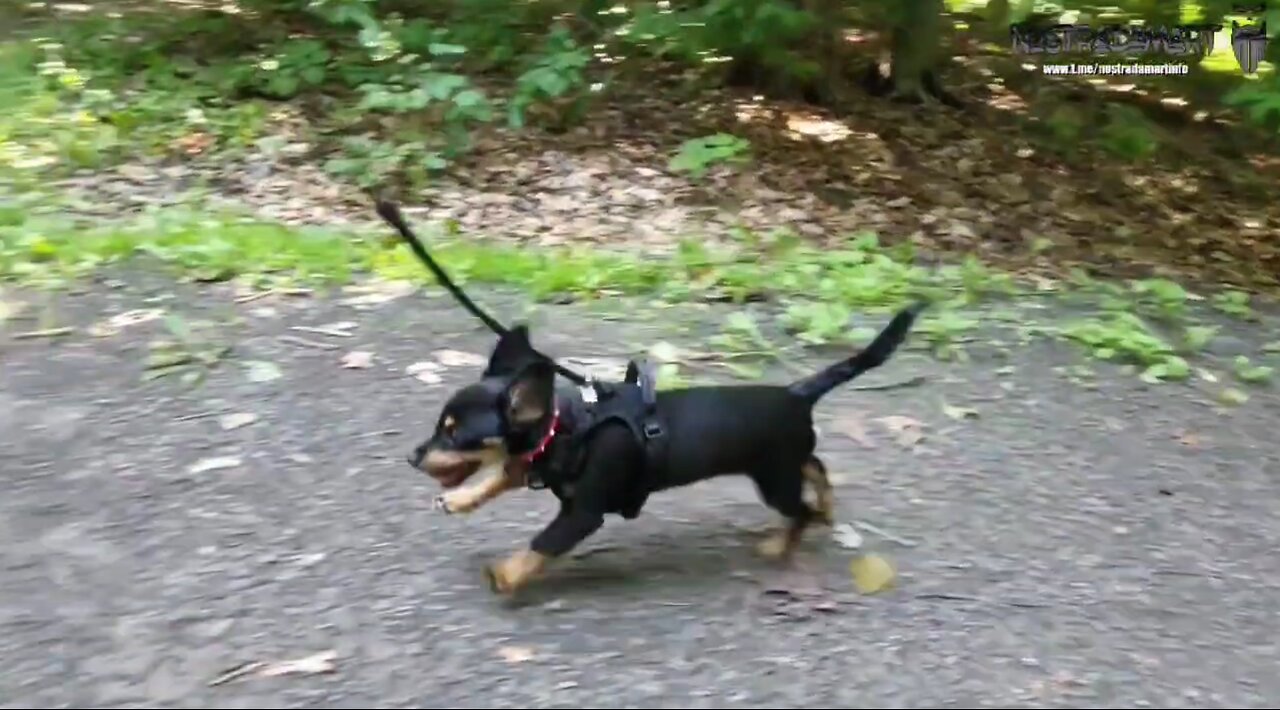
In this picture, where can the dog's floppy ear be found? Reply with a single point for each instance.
(530, 394)
(513, 351)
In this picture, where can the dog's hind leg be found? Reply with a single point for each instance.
(782, 489)
(815, 474)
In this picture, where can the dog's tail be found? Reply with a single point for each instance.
(391, 214)
(815, 386)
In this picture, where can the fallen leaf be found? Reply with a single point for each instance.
(959, 412)
(907, 431)
(377, 292)
(852, 427)
(263, 371)
(357, 360)
(9, 309)
(425, 371)
(743, 370)
(314, 664)
(1189, 439)
(161, 359)
(664, 352)
(516, 654)
(457, 358)
(1232, 396)
(871, 573)
(598, 367)
(214, 463)
(237, 420)
(120, 321)
(846, 536)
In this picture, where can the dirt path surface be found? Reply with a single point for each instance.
(1068, 547)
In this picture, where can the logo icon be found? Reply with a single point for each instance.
(1249, 43)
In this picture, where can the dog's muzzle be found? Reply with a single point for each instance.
(449, 471)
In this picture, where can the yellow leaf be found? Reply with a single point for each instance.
(1232, 396)
(871, 573)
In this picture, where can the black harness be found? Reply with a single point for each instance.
(633, 403)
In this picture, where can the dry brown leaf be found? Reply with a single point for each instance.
(315, 664)
(907, 431)
(9, 309)
(120, 321)
(377, 293)
(959, 412)
(871, 573)
(358, 360)
(457, 358)
(516, 654)
(426, 371)
(853, 428)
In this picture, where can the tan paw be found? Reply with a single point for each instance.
(776, 546)
(514, 572)
(459, 502)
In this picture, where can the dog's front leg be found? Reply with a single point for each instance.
(570, 527)
(469, 498)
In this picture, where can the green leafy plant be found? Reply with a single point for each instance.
(697, 155)
(1198, 337)
(295, 66)
(1260, 101)
(818, 322)
(1125, 337)
(1246, 371)
(187, 354)
(945, 331)
(1128, 134)
(370, 162)
(554, 84)
(1234, 303)
(1166, 297)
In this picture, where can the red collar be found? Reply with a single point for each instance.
(541, 448)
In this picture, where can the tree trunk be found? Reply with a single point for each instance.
(998, 15)
(915, 45)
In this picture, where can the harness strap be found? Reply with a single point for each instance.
(642, 373)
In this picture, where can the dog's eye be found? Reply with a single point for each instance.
(450, 427)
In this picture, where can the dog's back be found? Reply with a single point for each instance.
(717, 430)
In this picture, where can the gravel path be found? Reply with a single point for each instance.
(1068, 547)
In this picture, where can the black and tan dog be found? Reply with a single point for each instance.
(518, 422)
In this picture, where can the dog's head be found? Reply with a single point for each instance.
(486, 423)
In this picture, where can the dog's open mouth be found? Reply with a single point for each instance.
(454, 475)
